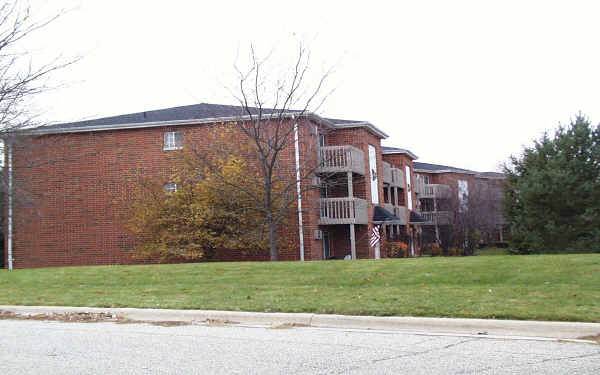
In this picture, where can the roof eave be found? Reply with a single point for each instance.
(153, 124)
(442, 171)
(370, 127)
(405, 152)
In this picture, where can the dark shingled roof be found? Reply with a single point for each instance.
(491, 175)
(387, 148)
(381, 215)
(188, 112)
(428, 167)
(438, 168)
(393, 150)
(416, 218)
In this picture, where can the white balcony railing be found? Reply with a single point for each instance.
(341, 159)
(433, 191)
(436, 217)
(400, 212)
(387, 173)
(397, 177)
(343, 211)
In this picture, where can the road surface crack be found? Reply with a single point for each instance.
(410, 354)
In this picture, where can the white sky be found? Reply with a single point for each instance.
(464, 83)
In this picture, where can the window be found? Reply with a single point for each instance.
(321, 140)
(170, 187)
(423, 178)
(173, 141)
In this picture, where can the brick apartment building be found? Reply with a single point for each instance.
(67, 176)
(444, 191)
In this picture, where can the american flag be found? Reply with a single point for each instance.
(375, 237)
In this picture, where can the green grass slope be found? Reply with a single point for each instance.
(541, 287)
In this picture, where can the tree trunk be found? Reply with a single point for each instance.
(272, 239)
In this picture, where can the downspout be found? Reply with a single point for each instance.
(10, 209)
(298, 189)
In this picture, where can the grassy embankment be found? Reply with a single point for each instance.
(542, 287)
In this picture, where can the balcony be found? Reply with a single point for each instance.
(436, 217)
(387, 173)
(336, 159)
(433, 191)
(397, 177)
(343, 211)
(392, 175)
(400, 213)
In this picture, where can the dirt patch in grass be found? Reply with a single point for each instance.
(86, 317)
(77, 317)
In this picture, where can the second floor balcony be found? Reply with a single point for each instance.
(436, 217)
(398, 211)
(335, 159)
(343, 211)
(392, 175)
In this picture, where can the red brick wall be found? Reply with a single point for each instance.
(361, 138)
(400, 161)
(74, 183)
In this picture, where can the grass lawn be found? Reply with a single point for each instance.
(492, 251)
(542, 287)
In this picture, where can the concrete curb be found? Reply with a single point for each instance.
(444, 326)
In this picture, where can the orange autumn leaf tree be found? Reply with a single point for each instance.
(203, 215)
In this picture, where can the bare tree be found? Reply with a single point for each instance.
(472, 218)
(276, 111)
(21, 79)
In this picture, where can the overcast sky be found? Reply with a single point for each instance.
(463, 83)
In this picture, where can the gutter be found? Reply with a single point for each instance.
(298, 189)
(405, 152)
(372, 128)
(443, 171)
(210, 120)
(9, 239)
(137, 125)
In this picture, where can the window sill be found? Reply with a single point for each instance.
(172, 148)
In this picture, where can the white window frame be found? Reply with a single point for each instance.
(170, 141)
(170, 187)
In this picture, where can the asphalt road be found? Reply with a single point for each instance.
(37, 347)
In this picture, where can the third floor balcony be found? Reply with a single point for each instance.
(433, 191)
(392, 175)
(335, 159)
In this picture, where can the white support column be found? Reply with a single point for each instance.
(352, 233)
(299, 191)
(352, 241)
(397, 226)
(350, 187)
(389, 194)
(9, 230)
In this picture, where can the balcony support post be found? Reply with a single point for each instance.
(352, 242)
(389, 193)
(350, 187)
